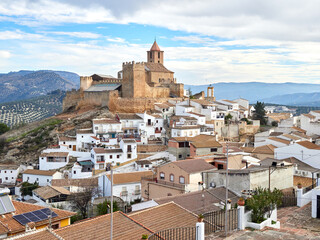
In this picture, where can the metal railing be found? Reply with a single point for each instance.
(183, 233)
(307, 189)
(215, 221)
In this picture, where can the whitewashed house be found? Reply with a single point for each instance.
(53, 160)
(127, 186)
(43, 178)
(106, 128)
(311, 122)
(304, 151)
(68, 143)
(103, 157)
(9, 174)
(84, 140)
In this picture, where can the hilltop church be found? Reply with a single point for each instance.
(141, 82)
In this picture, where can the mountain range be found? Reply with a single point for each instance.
(302, 94)
(26, 84)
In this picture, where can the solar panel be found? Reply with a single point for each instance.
(21, 219)
(35, 216)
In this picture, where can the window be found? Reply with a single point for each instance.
(110, 156)
(5, 171)
(27, 178)
(181, 180)
(81, 136)
(74, 172)
(214, 149)
(48, 180)
(70, 146)
(129, 155)
(162, 175)
(37, 179)
(11, 177)
(171, 177)
(6, 178)
(156, 121)
(64, 142)
(158, 55)
(180, 156)
(55, 226)
(220, 166)
(96, 128)
(118, 156)
(11, 171)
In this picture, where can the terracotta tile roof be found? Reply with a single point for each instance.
(129, 177)
(207, 198)
(309, 116)
(275, 134)
(278, 116)
(54, 154)
(229, 101)
(165, 216)
(155, 47)
(309, 145)
(65, 138)
(39, 172)
(94, 137)
(124, 228)
(129, 141)
(300, 134)
(206, 144)
(198, 138)
(299, 129)
(123, 116)
(9, 167)
(85, 182)
(186, 127)
(84, 131)
(279, 140)
(104, 150)
(197, 114)
(266, 149)
(193, 165)
(203, 102)
(43, 233)
(178, 117)
(50, 191)
(105, 121)
(291, 136)
(305, 181)
(156, 67)
(22, 207)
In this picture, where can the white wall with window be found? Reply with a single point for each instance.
(9, 174)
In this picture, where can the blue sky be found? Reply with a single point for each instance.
(204, 41)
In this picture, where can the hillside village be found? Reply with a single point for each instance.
(163, 155)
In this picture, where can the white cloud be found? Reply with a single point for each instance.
(116, 40)
(78, 34)
(5, 54)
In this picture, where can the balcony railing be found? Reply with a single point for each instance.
(124, 193)
(137, 192)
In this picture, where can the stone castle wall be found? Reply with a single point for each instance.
(71, 99)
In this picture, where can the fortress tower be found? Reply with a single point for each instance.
(155, 55)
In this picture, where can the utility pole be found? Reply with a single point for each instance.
(227, 181)
(111, 204)
(269, 177)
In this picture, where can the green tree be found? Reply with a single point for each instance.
(227, 118)
(274, 124)
(260, 113)
(263, 201)
(3, 128)
(104, 208)
(27, 188)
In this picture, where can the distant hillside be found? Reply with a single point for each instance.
(297, 99)
(27, 84)
(254, 91)
(33, 109)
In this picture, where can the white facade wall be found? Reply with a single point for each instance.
(105, 186)
(68, 145)
(83, 139)
(308, 156)
(176, 132)
(40, 179)
(106, 128)
(9, 176)
(312, 126)
(242, 102)
(194, 179)
(76, 173)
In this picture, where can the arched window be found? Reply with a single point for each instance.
(162, 175)
(171, 177)
(181, 180)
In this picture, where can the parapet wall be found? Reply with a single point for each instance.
(71, 99)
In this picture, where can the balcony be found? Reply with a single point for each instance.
(124, 193)
(137, 192)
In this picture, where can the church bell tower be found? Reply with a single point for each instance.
(155, 55)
